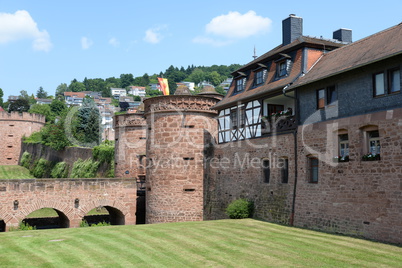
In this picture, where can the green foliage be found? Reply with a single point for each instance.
(54, 136)
(1, 97)
(84, 223)
(61, 89)
(41, 168)
(58, 107)
(104, 152)
(20, 105)
(43, 109)
(41, 93)
(60, 170)
(23, 227)
(76, 86)
(84, 168)
(87, 124)
(240, 209)
(26, 159)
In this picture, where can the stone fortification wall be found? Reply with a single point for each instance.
(237, 172)
(71, 198)
(358, 197)
(13, 126)
(179, 130)
(130, 139)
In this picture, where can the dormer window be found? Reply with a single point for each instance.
(259, 77)
(282, 69)
(240, 84)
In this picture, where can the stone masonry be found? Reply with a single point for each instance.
(71, 198)
(180, 128)
(13, 126)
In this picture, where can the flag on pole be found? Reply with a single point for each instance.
(163, 82)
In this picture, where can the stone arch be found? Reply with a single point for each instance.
(117, 210)
(2, 222)
(62, 210)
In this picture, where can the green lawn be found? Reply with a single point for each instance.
(14, 172)
(223, 243)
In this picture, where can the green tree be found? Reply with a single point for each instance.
(43, 109)
(58, 107)
(1, 98)
(215, 78)
(76, 86)
(126, 80)
(41, 93)
(61, 89)
(197, 76)
(87, 124)
(24, 95)
(20, 105)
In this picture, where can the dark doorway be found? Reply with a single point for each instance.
(47, 218)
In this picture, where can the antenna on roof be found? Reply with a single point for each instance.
(255, 54)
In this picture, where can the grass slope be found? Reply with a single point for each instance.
(14, 172)
(223, 243)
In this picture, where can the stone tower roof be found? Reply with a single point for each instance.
(182, 90)
(209, 91)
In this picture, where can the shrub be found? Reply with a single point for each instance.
(60, 170)
(22, 227)
(26, 160)
(84, 223)
(41, 168)
(84, 169)
(104, 153)
(240, 209)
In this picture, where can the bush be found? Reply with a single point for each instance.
(60, 170)
(22, 227)
(84, 223)
(240, 209)
(26, 160)
(104, 153)
(41, 168)
(84, 169)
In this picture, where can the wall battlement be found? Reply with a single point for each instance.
(13, 126)
(15, 116)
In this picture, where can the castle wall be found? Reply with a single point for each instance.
(358, 197)
(237, 172)
(130, 139)
(19, 198)
(13, 126)
(178, 129)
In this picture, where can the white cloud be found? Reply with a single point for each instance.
(19, 26)
(154, 35)
(114, 42)
(86, 43)
(236, 25)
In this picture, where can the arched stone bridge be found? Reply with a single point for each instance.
(72, 199)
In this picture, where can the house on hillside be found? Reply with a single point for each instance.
(118, 92)
(74, 98)
(137, 91)
(322, 117)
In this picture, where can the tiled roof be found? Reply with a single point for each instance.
(271, 84)
(368, 50)
(312, 41)
(76, 94)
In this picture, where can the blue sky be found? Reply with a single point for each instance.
(46, 43)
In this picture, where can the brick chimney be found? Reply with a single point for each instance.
(343, 35)
(292, 28)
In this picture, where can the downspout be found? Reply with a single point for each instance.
(292, 215)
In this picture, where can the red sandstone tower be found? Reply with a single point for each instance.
(180, 130)
(13, 126)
